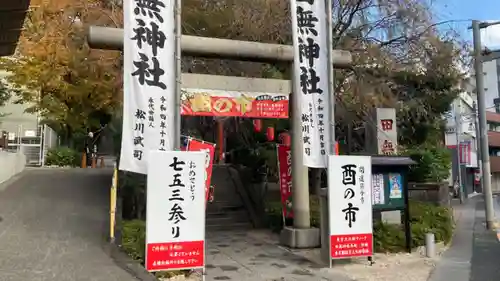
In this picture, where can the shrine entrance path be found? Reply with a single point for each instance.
(53, 224)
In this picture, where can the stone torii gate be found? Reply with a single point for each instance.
(301, 235)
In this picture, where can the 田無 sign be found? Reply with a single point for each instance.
(148, 81)
(350, 206)
(387, 134)
(175, 214)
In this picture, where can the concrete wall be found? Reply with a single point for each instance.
(11, 164)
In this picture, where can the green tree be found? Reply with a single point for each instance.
(5, 95)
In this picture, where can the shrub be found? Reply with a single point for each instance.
(424, 218)
(62, 157)
(433, 163)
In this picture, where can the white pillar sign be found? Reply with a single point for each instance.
(311, 75)
(175, 214)
(387, 134)
(350, 206)
(149, 81)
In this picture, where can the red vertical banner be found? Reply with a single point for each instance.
(209, 148)
(285, 177)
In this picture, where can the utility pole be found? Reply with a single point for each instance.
(483, 136)
(458, 131)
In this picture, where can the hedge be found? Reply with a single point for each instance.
(424, 218)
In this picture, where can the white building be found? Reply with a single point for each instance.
(491, 72)
(461, 128)
(25, 131)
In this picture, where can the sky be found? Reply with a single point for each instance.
(461, 12)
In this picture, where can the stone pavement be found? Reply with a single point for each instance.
(53, 225)
(255, 255)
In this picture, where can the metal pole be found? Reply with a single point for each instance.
(178, 72)
(458, 131)
(109, 38)
(483, 136)
(300, 179)
(478, 145)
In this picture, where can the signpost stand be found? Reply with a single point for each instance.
(175, 212)
(350, 207)
(359, 186)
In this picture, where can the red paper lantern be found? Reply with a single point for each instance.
(257, 125)
(286, 139)
(270, 133)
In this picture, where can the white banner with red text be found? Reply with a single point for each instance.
(175, 211)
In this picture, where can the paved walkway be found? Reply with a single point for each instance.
(474, 252)
(53, 225)
(486, 250)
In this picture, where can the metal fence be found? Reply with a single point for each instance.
(36, 146)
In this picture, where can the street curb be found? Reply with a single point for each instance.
(127, 263)
(114, 250)
(11, 180)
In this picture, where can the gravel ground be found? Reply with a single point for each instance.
(387, 267)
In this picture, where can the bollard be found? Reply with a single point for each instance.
(84, 160)
(94, 162)
(430, 245)
(101, 165)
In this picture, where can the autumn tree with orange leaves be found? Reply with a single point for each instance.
(73, 87)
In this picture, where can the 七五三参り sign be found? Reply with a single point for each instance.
(175, 214)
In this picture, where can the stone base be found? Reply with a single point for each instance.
(300, 238)
(392, 217)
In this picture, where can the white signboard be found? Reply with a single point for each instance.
(149, 81)
(311, 70)
(378, 189)
(29, 133)
(350, 206)
(175, 214)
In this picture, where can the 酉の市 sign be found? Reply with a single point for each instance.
(201, 102)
